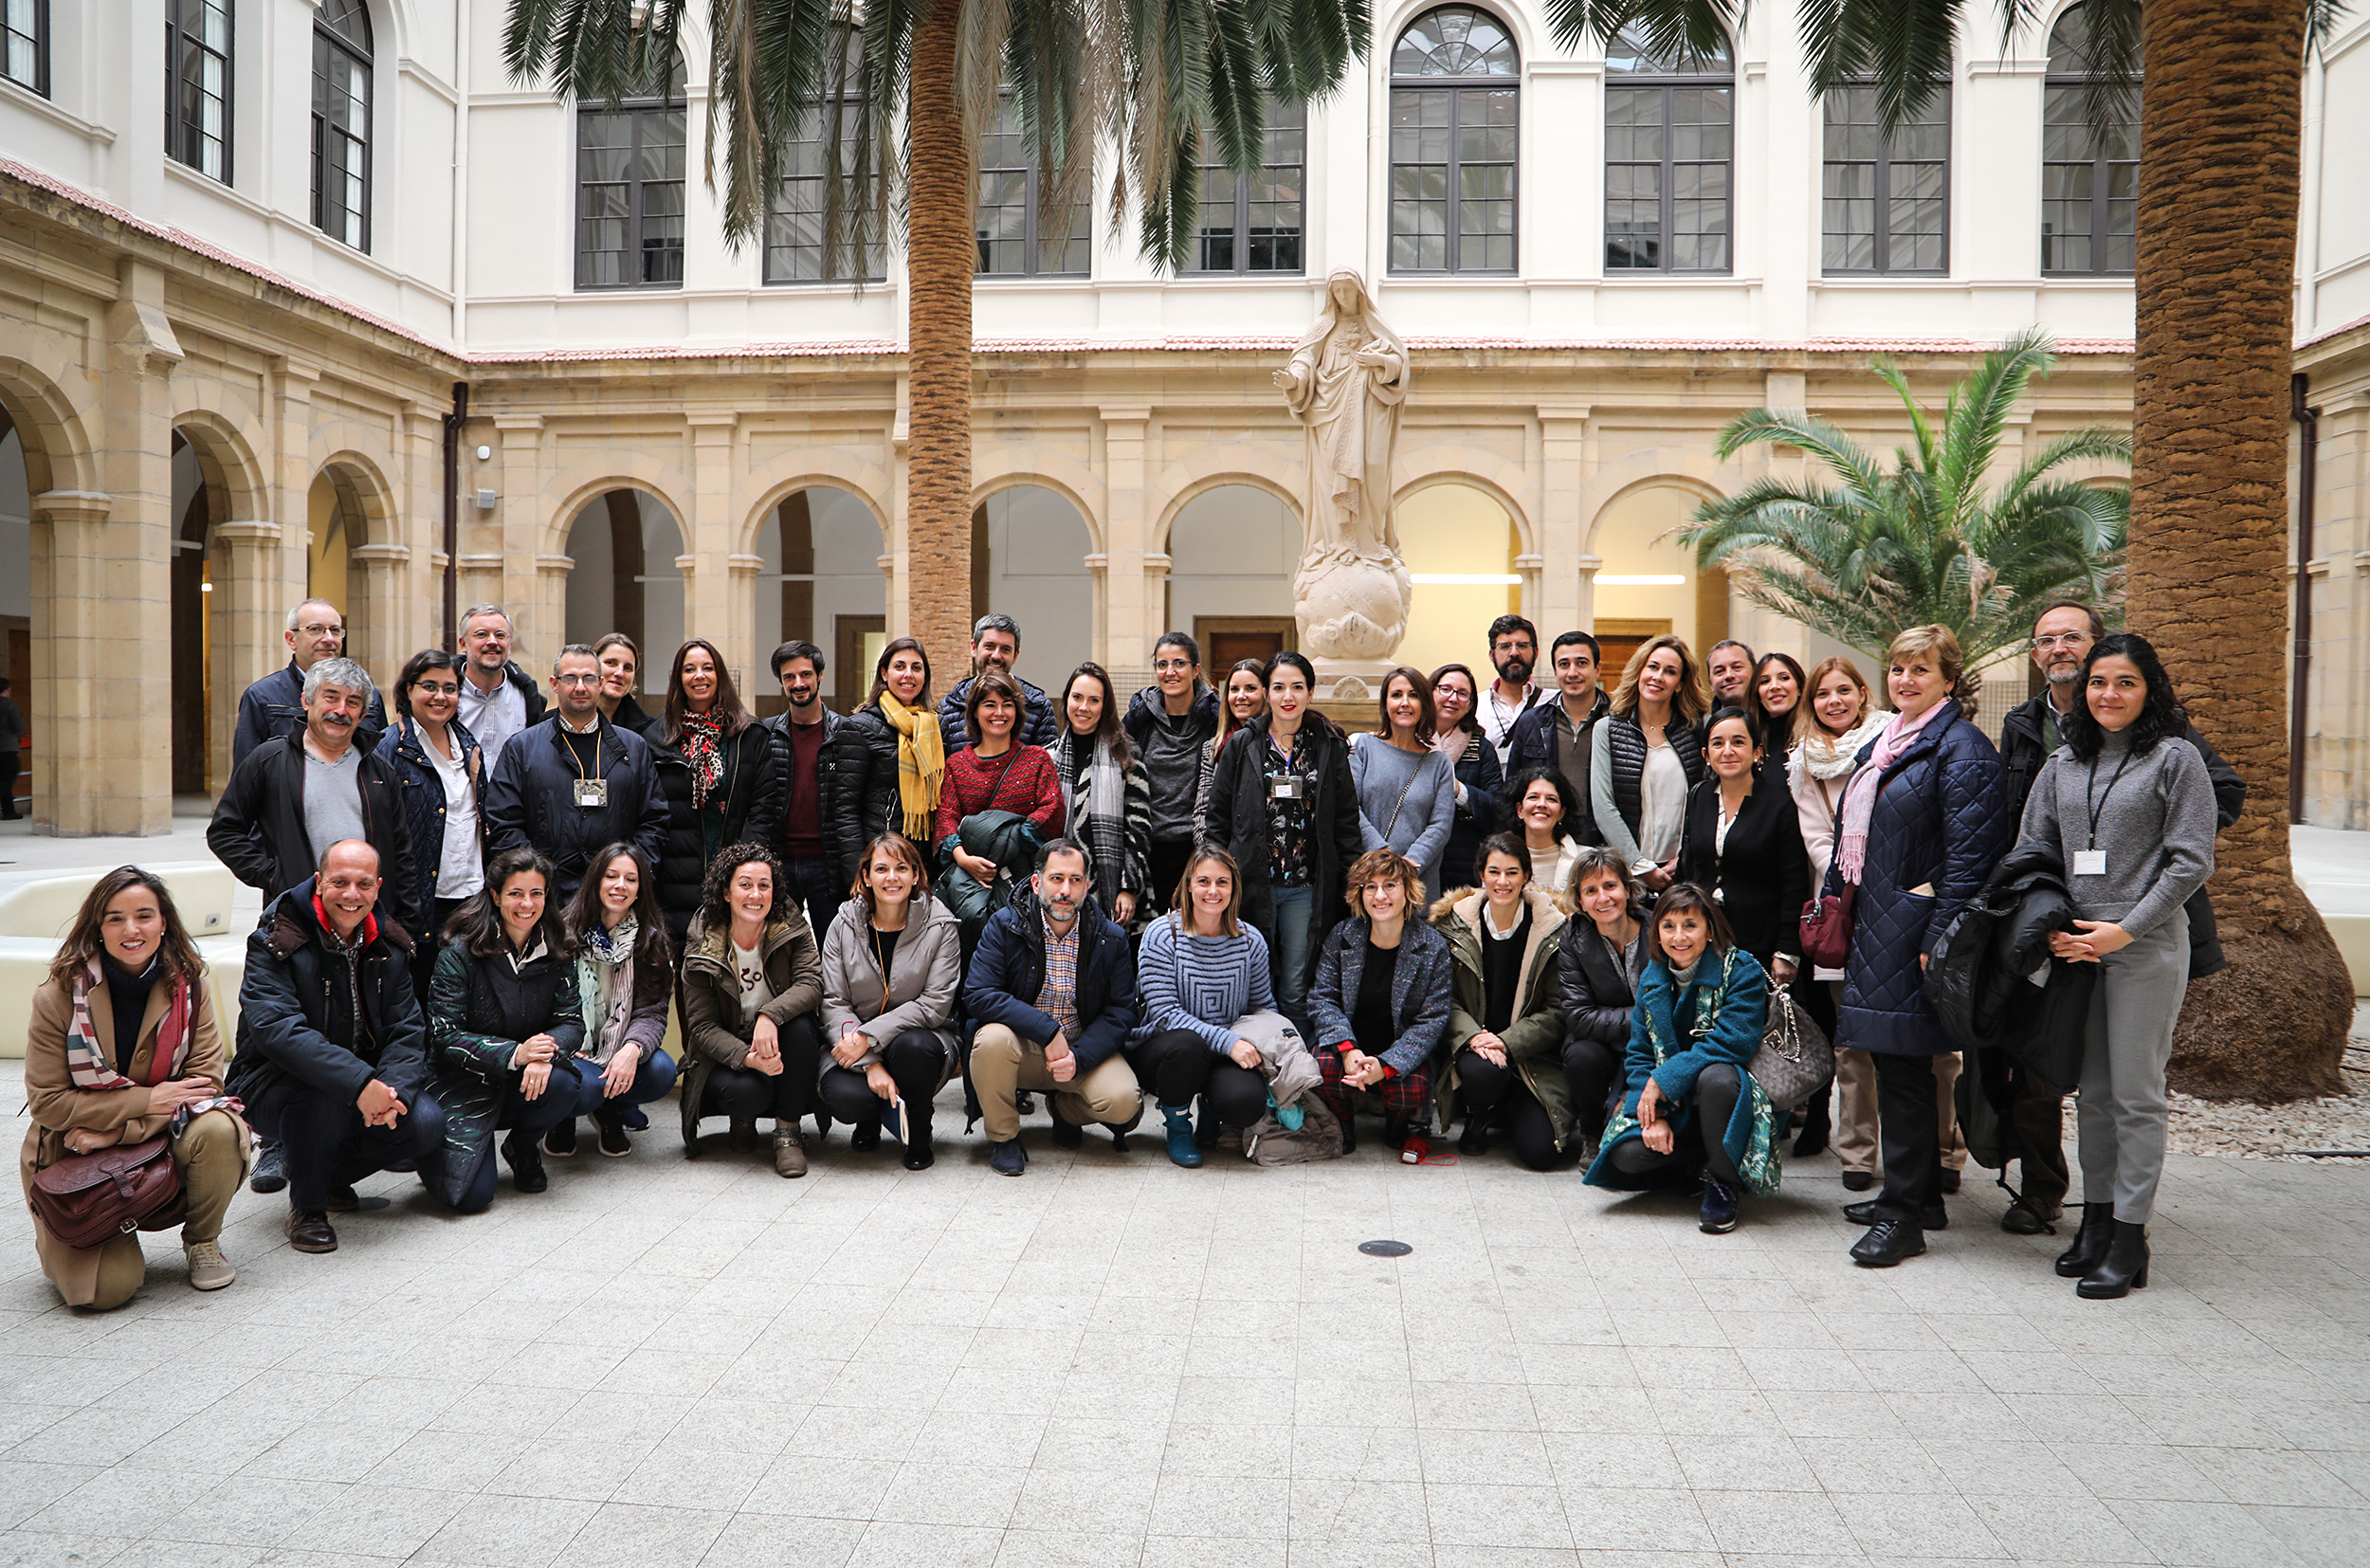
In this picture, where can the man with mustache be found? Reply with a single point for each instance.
(1514, 653)
(274, 707)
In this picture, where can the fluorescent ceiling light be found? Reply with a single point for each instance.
(1467, 579)
(1648, 579)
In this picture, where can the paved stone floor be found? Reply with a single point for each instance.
(1112, 1361)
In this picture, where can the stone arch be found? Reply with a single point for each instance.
(1046, 470)
(225, 456)
(357, 552)
(1628, 536)
(1029, 574)
(1501, 485)
(810, 566)
(1225, 466)
(867, 488)
(666, 481)
(55, 436)
(643, 594)
(1673, 467)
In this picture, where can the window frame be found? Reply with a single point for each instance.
(1882, 266)
(1667, 83)
(2100, 165)
(175, 81)
(1455, 86)
(1032, 236)
(676, 97)
(328, 38)
(872, 257)
(39, 37)
(1242, 267)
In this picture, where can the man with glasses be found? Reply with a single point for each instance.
(574, 783)
(497, 698)
(2062, 638)
(273, 707)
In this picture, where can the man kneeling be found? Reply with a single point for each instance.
(1052, 989)
(332, 1048)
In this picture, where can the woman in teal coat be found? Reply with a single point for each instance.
(1689, 1101)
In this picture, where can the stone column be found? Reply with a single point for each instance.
(716, 604)
(246, 619)
(1557, 593)
(1128, 609)
(509, 573)
(292, 483)
(550, 609)
(379, 621)
(741, 627)
(896, 565)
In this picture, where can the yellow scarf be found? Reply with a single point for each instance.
(921, 763)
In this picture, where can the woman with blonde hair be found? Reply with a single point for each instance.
(1646, 756)
(1924, 821)
(122, 1047)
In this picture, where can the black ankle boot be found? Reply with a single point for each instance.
(2089, 1243)
(2122, 1270)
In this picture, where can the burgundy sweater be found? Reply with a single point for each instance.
(1021, 781)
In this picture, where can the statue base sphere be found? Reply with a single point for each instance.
(1352, 607)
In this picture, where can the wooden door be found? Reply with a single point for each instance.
(1226, 639)
(1618, 640)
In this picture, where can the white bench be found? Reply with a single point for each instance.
(37, 907)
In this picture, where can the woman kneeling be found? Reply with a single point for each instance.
(1200, 971)
(752, 980)
(1690, 1104)
(1505, 1027)
(625, 976)
(1381, 1005)
(891, 965)
(503, 1025)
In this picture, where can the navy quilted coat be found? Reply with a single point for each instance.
(1944, 818)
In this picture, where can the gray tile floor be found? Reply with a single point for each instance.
(1112, 1361)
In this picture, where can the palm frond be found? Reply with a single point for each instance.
(1686, 28)
(1903, 46)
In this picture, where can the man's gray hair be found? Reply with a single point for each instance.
(340, 672)
(296, 616)
(573, 650)
(1005, 623)
(476, 610)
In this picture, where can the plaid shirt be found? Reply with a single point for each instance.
(1288, 820)
(1058, 997)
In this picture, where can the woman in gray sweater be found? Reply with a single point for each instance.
(1406, 788)
(2130, 809)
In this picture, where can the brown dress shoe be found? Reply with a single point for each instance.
(790, 1156)
(310, 1232)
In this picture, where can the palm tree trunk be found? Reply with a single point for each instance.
(938, 326)
(2218, 191)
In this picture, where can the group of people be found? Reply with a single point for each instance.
(1557, 915)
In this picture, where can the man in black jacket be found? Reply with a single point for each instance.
(1052, 989)
(274, 707)
(575, 782)
(332, 1051)
(1558, 734)
(292, 797)
(994, 645)
(804, 784)
(2061, 638)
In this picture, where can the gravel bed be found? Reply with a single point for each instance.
(2279, 1132)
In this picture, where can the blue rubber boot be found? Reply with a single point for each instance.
(1182, 1150)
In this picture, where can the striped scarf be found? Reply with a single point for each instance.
(1096, 809)
(86, 1060)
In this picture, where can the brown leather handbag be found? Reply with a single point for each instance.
(86, 1199)
(1827, 928)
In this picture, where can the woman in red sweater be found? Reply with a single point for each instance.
(995, 772)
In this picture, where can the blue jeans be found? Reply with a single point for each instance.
(652, 1078)
(1295, 913)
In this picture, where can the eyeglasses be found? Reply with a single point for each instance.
(436, 688)
(316, 629)
(2063, 639)
(573, 681)
(1170, 666)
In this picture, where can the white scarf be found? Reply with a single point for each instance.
(1825, 756)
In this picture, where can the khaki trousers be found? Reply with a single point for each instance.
(1855, 1110)
(1003, 1064)
(211, 1156)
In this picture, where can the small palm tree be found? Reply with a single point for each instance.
(1927, 542)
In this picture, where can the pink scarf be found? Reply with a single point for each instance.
(1859, 799)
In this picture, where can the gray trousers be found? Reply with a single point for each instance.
(2121, 1105)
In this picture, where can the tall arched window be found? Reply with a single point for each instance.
(1670, 133)
(2090, 177)
(341, 121)
(1454, 78)
(630, 174)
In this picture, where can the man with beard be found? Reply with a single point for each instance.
(1514, 653)
(1052, 989)
(994, 645)
(803, 783)
(274, 707)
(2061, 638)
(292, 798)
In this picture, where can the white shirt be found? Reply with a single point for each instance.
(1662, 804)
(1498, 718)
(461, 871)
(493, 720)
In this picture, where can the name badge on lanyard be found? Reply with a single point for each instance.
(591, 791)
(1283, 787)
(2089, 862)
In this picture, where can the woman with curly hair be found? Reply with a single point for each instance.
(752, 985)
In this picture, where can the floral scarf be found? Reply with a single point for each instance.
(703, 748)
(921, 763)
(604, 980)
(1859, 800)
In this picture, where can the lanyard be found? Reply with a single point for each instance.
(2097, 807)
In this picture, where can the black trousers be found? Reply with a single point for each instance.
(1487, 1089)
(915, 1061)
(1592, 1070)
(818, 890)
(1909, 1140)
(1178, 1063)
(745, 1094)
(1716, 1091)
(2040, 1116)
(1167, 867)
(9, 757)
(328, 1143)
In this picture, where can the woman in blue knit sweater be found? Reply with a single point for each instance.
(1199, 971)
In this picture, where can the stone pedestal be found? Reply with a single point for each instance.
(1351, 680)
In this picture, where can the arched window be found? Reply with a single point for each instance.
(198, 78)
(798, 249)
(1454, 77)
(341, 121)
(630, 173)
(2090, 176)
(1670, 133)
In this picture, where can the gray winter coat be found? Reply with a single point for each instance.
(926, 973)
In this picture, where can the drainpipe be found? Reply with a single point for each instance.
(2307, 463)
(453, 422)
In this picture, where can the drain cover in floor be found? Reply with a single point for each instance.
(1385, 1249)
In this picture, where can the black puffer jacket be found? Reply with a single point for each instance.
(1595, 983)
(1978, 979)
(298, 1014)
(785, 765)
(683, 856)
(1626, 740)
(863, 799)
(258, 828)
